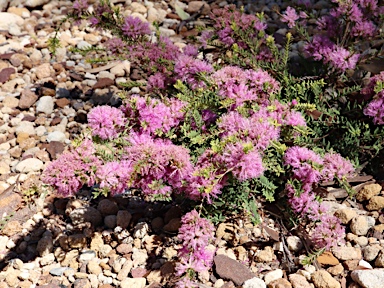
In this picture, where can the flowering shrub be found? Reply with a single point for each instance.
(221, 133)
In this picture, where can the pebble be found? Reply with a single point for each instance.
(322, 279)
(29, 165)
(369, 278)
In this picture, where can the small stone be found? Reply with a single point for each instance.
(299, 281)
(345, 215)
(368, 192)
(43, 71)
(124, 248)
(123, 273)
(369, 278)
(347, 253)
(94, 267)
(351, 264)
(139, 256)
(45, 246)
(25, 127)
(337, 269)
(5, 74)
(27, 99)
(267, 255)
(138, 7)
(45, 105)
(133, 282)
(138, 272)
(47, 259)
(62, 102)
(123, 219)
(157, 223)
(77, 241)
(103, 83)
(252, 283)
(194, 6)
(141, 229)
(8, 19)
(59, 271)
(379, 262)
(327, 258)
(294, 243)
(55, 148)
(173, 225)
(121, 69)
(110, 221)
(10, 102)
(86, 214)
(273, 275)
(361, 224)
(280, 283)
(87, 256)
(230, 269)
(11, 228)
(375, 203)
(370, 252)
(107, 207)
(29, 165)
(322, 279)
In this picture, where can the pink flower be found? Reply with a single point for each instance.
(336, 166)
(133, 27)
(188, 68)
(328, 233)
(106, 122)
(375, 108)
(290, 17)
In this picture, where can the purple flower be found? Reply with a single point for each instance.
(196, 234)
(80, 5)
(156, 82)
(375, 108)
(133, 27)
(106, 122)
(329, 232)
(188, 68)
(115, 45)
(191, 50)
(336, 166)
(73, 169)
(290, 17)
(114, 176)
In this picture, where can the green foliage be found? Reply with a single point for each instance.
(5, 219)
(311, 257)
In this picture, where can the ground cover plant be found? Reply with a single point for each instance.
(245, 127)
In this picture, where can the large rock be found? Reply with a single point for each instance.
(368, 192)
(369, 278)
(347, 253)
(29, 165)
(7, 20)
(230, 269)
(86, 214)
(45, 105)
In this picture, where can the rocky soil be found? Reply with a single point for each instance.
(123, 241)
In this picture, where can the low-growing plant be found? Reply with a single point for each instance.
(230, 134)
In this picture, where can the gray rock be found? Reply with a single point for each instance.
(25, 127)
(29, 165)
(59, 271)
(254, 283)
(56, 136)
(361, 224)
(369, 278)
(35, 3)
(87, 256)
(45, 105)
(110, 221)
(9, 19)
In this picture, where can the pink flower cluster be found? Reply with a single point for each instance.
(187, 69)
(196, 234)
(152, 116)
(357, 14)
(157, 166)
(244, 85)
(308, 168)
(73, 169)
(375, 108)
(106, 122)
(133, 27)
(227, 18)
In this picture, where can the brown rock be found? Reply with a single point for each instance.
(103, 83)
(11, 228)
(230, 269)
(351, 264)
(345, 215)
(279, 283)
(336, 270)
(43, 71)
(173, 225)
(368, 192)
(139, 272)
(173, 212)
(27, 99)
(107, 207)
(27, 144)
(9, 201)
(62, 102)
(327, 259)
(123, 218)
(55, 148)
(55, 121)
(124, 248)
(77, 241)
(299, 281)
(375, 203)
(10, 102)
(195, 6)
(5, 74)
(322, 279)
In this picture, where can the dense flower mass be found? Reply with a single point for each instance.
(196, 234)
(290, 17)
(375, 108)
(106, 122)
(73, 169)
(133, 27)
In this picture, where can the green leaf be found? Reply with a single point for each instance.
(181, 13)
